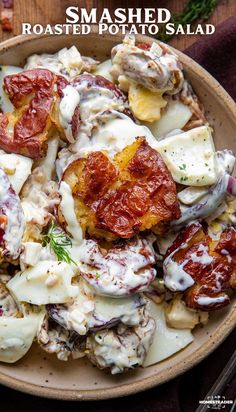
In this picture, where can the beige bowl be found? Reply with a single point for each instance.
(40, 374)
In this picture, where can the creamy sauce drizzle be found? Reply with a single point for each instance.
(68, 211)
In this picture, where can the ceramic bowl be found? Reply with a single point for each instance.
(40, 374)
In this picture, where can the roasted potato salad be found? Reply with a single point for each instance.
(117, 217)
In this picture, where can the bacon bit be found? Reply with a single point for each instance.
(144, 46)
(3, 220)
(144, 252)
(75, 124)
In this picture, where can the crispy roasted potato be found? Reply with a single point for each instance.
(209, 263)
(35, 95)
(120, 197)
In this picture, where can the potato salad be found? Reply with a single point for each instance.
(117, 225)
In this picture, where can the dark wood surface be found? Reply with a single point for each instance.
(53, 11)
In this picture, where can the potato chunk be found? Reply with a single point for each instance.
(120, 197)
(145, 104)
(35, 96)
(201, 267)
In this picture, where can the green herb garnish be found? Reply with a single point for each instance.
(58, 242)
(193, 11)
(183, 167)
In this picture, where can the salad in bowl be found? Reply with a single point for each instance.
(117, 223)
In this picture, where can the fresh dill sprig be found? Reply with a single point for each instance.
(193, 11)
(58, 242)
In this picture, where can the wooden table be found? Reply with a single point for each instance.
(53, 11)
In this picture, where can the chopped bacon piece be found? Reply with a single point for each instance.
(144, 46)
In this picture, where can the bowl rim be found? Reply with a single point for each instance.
(216, 338)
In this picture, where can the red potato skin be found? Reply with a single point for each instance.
(206, 281)
(98, 183)
(118, 211)
(99, 82)
(33, 94)
(119, 202)
(152, 190)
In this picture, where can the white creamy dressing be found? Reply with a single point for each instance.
(55, 339)
(204, 258)
(225, 162)
(90, 312)
(123, 348)
(109, 311)
(66, 62)
(211, 300)
(47, 164)
(11, 207)
(40, 192)
(68, 104)
(178, 151)
(16, 167)
(212, 204)
(167, 341)
(115, 133)
(75, 315)
(46, 282)
(68, 211)
(154, 69)
(120, 271)
(94, 101)
(175, 277)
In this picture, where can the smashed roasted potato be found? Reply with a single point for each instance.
(122, 196)
(35, 95)
(201, 267)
